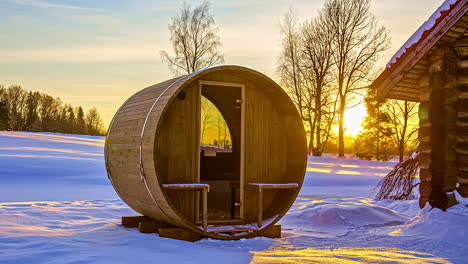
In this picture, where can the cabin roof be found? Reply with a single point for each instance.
(399, 80)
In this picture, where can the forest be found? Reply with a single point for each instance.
(25, 110)
(326, 65)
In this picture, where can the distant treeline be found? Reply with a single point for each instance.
(23, 110)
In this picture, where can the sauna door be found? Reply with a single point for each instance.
(221, 148)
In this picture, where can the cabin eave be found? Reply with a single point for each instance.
(401, 79)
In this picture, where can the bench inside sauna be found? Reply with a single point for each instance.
(160, 168)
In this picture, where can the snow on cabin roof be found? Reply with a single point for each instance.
(423, 31)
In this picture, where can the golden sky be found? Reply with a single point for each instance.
(98, 53)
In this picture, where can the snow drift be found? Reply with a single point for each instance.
(57, 206)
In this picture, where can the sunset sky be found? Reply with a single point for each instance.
(98, 53)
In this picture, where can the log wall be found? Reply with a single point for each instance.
(461, 47)
(443, 133)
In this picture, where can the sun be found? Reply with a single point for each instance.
(353, 118)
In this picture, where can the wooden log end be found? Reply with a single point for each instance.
(425, 188)
(133, 221)
(463, 190)
(273, 231)
(423, 201)
(425, 175)
(150, 226)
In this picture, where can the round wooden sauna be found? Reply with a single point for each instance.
(157, 165)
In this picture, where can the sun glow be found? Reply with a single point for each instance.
(290, 254)
(353, 118)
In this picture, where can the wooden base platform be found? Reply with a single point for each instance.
(147, 225)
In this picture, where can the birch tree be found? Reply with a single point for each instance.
(402, 114)
(305, 72)
(194, 39)
(357, 43)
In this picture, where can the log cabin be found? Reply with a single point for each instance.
(432, 68)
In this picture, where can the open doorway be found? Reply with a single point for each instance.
(221, 149)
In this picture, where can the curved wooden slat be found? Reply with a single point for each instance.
(275, 147)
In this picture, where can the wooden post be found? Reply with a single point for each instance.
(197, 206)
(260, 206)
(205, 188)
(233, 201)
(205, 208)
(260, 187)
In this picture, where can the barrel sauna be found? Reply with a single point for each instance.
(158, 167)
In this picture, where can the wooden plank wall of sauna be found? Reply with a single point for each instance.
(265, 148)
(123, 148)
(176, 149)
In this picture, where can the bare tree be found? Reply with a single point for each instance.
(401, 113)
(206, 117)
(225, 134)
(291, 76)
(357, 43)
(36, 111)
(94, 122)
(47, 110)
(32, 111)
(16, 99)
(220, 121)
(194, 40)
(305, 72)
(317, 61)
(399, 183)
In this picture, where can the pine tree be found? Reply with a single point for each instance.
(4, 116)
(32, 116)
(80, 121)
(376, 138)
(71, 119)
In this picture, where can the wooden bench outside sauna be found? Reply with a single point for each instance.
(260, 187)
(157, 164)
(204, 189)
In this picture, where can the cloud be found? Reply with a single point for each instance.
(39, 3)
(83, 53)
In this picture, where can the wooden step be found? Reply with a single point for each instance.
(223, 222)
(233, 231)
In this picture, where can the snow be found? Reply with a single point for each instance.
(421, 31)
(57, 206)
(337, 217)
(43, 167)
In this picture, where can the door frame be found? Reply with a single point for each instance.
(241, 172)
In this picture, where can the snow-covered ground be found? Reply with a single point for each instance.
(57, 206)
